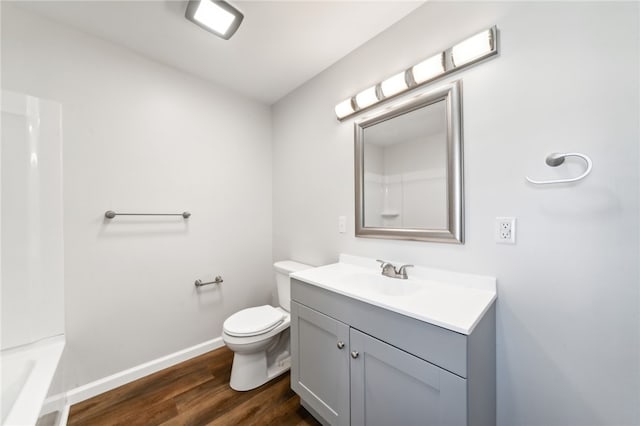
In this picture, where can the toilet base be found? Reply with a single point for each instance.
(258, 359)
(250, 371)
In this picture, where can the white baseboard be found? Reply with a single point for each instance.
(63, 400)
(63, 416)
(53, 403)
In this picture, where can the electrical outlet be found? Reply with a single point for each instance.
(506, 230)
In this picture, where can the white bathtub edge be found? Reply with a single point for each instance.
(47, 353)
(84, 392)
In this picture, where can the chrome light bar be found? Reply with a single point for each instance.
(464, 54)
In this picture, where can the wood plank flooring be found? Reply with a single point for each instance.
(195, 392)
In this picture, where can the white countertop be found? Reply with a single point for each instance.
(451, 300)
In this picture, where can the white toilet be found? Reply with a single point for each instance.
(259, 336)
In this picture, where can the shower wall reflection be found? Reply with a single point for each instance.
(32, 292)
(405, 175)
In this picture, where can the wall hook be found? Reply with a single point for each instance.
(557, 158)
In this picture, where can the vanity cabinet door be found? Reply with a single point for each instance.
(320, 363)
(392, 387)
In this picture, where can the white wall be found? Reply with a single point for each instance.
(142, 137)
(566, 80)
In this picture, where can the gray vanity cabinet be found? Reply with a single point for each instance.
(320, 368)
(357, 364)
(392, 387)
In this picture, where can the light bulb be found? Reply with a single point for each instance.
(344, 108)
(367, 97)
(472, 48)
(428, 69)
(393, 85)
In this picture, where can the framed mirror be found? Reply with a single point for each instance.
(408, 166)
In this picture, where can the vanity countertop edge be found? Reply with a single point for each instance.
(451, 300)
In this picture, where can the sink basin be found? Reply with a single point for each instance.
(451, 300)
(369, 282)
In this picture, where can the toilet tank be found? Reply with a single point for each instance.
(283, 268)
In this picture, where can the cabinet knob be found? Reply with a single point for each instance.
(340, 344)
(354, 354)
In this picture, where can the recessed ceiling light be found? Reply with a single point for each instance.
(217, 17)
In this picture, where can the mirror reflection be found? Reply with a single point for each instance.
(408, 164)
(405, 176)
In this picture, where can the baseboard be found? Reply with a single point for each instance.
(63, 416)
(53, 403)
(84, 392)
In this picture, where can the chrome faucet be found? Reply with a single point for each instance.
(388, 270)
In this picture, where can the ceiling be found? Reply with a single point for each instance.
(279, 45)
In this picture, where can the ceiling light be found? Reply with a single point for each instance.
(472, 48)
(217, 17)
(344, 108)
(367, 97)
(428, 69)
(394, 85)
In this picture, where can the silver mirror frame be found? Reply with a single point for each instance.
(451, 93)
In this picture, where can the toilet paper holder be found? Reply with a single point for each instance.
(217, 280)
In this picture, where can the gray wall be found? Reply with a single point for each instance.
(566, 80)
(139, 136)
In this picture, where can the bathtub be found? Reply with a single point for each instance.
(27, 372)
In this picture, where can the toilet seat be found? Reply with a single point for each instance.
(253, 321)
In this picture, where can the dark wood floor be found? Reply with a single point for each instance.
(195, 392)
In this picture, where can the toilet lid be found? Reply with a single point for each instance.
(252, 321)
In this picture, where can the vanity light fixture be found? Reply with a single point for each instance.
(345, 108)
(461, 55)
(367, 97)
(217, 17)
(428, 69)
(474, 47)
(394, 84)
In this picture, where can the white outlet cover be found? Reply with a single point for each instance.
(342, 224)
(505, 230)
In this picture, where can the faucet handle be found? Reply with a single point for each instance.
(388, 269)
(383, 263)
(403, 271)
